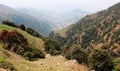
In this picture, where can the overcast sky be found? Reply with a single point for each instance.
(61, 5)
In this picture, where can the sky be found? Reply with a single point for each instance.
(61, 5)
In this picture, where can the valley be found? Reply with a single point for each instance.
(74, 40)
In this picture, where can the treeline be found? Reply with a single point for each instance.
(96, 59)
(22, 27)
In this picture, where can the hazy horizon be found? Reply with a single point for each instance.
(61, 5)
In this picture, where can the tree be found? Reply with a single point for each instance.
(33, 32)
(100, 60)
(76, 52)
(52, 47)
(9, 23)
(116, 64)
(79, 55)
(22, 27)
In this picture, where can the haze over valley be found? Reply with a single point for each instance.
(59, 35)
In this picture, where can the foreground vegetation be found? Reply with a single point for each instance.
(95, 47)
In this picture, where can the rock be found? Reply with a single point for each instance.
(47, 56)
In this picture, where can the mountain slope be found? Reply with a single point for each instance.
(65, 19)
(42, 15)
(50, 63)
(99, 30)
(12, 15)
(33, 41)
(56, 20)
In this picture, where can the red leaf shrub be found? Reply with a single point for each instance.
(13, 37)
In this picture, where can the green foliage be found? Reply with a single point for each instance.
(2, 59)
(79, 55)
(75, 52)
(52, 47)
(14, 68)
(54, 52)
(100, 60)
(8, 66)
(89, 35)
(37, 53)
(32, 53)
(33, 32)
(17, 43)
(116, 36)
(88, 28)
(28, 55)
(9, 23)
(116, 64)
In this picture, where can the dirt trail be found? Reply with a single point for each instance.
(56, 63)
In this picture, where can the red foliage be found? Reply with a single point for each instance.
(5, 35)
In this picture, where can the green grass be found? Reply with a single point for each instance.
(33, 41)
(2, 59)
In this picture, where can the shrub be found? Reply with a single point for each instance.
(17, 43)
(52, 47)
(116, 64)
(28, 55)
(9, 23)
(7, 66)
(22, 27)
(54, 52)
(33, 32)
(75, 52)
(37, 53)
(100, 60)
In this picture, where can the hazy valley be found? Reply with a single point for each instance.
(74, 40)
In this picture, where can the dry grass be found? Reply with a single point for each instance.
(56, 63)
(61, 32)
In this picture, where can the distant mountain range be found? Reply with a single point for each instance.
(7, 13)
(57, 20)
(43, 21)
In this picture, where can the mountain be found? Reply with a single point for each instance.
(98, 30)
(41, 14)
(7, 13)
(70, 17)
(14, 56)
(56, 20)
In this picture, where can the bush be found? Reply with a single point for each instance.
(100, 60)
(7, 66)
(54, 52)
(9, 23)
(116, 64)
(37, 53)
(52, 47)
(28, 55)
(75, 52)
(33, 32)
(17, 43)
(22, 27)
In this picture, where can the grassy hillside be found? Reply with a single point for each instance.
(10, 61)
(33, 41)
